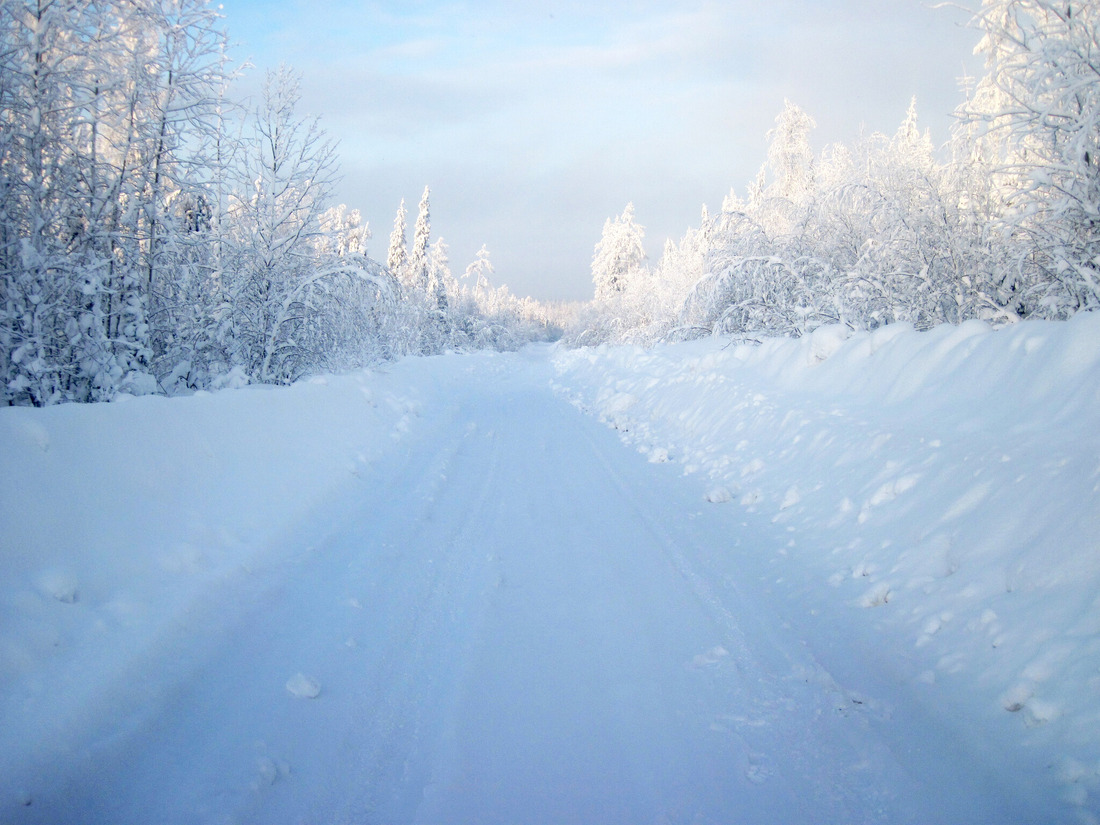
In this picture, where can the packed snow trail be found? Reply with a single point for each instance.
(509, 618)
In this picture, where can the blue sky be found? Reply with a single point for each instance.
(533, 122)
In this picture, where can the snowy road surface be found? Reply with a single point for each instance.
(507, 617)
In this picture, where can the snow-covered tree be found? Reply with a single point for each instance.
(397, 256)
(420, 265)
(440, 281)
(41, 341)
(342, 232)
(619, 257)
(352, 300)
(105, 108)
(790, 158)
(479, 273)
(1041, 102)
(492, 318)
(285, 179)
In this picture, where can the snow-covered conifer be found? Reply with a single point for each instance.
(397, 256)
(440, 280)
(619, 256)
(420, 257)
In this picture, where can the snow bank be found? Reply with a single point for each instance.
(118, 517)
(941, 490)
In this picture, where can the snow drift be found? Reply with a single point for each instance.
(938, 492)
(118, 518)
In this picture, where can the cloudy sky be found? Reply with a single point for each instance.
(534, 121)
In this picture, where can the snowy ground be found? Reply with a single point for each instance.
(837, 581)
(936, 505)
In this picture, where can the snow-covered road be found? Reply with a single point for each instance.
(510, 618)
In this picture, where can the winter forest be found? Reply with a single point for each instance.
(1002, 223)
(158, 235)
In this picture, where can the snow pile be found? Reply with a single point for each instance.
(119, 518)
(936, 494)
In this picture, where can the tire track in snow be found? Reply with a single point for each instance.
(341, 757)
(418, 713)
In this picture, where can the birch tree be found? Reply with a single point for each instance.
(285, 179)
(1040, 101)
(103, 104)
(47, 356)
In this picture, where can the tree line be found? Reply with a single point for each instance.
(158, 236)
(1003, 223)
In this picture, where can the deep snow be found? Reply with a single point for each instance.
(842, 579)
(936, 504)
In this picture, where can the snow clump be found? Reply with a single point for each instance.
(301, 686)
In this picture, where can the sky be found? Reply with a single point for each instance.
(534, 122)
